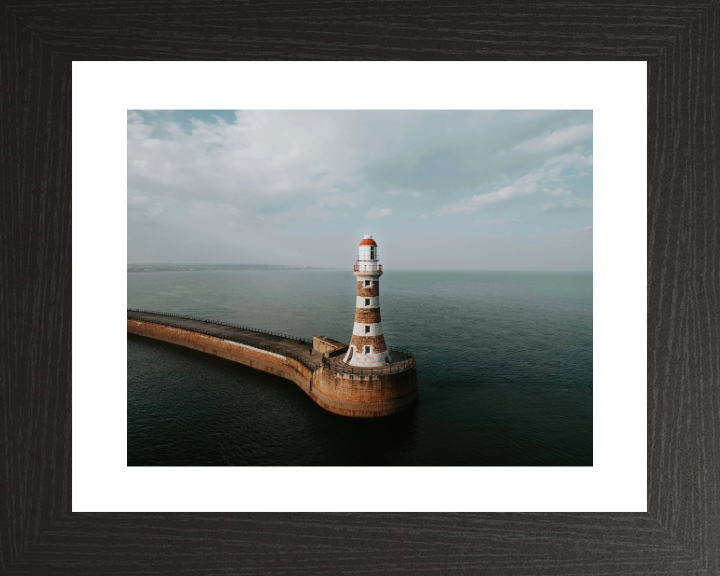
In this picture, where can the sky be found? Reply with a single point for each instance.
(438, 190)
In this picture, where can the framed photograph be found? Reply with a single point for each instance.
(498, 390)
(80, 497)
(457, 332)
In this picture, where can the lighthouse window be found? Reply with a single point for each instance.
(367, 349)
(367, 329)
(367, 282)
(367, 301)
(372, 253)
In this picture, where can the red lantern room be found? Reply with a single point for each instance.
(367, 259)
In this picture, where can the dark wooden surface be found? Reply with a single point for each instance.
(680, 534)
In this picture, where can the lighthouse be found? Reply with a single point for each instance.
(367, 345)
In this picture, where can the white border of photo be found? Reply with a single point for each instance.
(103, 92)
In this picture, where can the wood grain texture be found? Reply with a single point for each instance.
(681, 531)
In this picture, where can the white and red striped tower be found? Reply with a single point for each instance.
(367, 345)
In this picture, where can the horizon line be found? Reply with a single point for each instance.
(350, 267)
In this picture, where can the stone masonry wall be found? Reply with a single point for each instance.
(360, 396)
(378, 343)
(365, 396)
(324, 344)
(287, 368)
(370, 291)
(367, 315)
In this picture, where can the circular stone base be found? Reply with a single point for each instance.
(366, 392)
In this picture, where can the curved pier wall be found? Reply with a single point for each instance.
(366, 396)
(270, 362)
(359, 396)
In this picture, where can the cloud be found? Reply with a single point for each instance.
(569, 206)
(496, 221)
(337, 198)
(525, 185)
(261, 159)
(558, 138)
(584, 230)
(210, 210)
(340, 158)
(571, 159)
(314, 211)
(284, 175)
(375, 213)
(553, 170)
(140, 208)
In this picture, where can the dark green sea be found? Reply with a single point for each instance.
(504, 359)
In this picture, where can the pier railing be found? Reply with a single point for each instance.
(133, 314)
(302, 339)
(232, 338)
(401, 350)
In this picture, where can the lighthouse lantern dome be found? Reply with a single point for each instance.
(368, 249)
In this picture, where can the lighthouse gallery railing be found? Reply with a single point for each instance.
(367, 268)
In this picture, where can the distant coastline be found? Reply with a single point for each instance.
(214, 267)
(210, 267)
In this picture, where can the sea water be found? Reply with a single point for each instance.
(504, 362)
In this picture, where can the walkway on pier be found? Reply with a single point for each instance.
(280, 344)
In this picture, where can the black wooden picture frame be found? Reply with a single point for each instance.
(680, 533)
